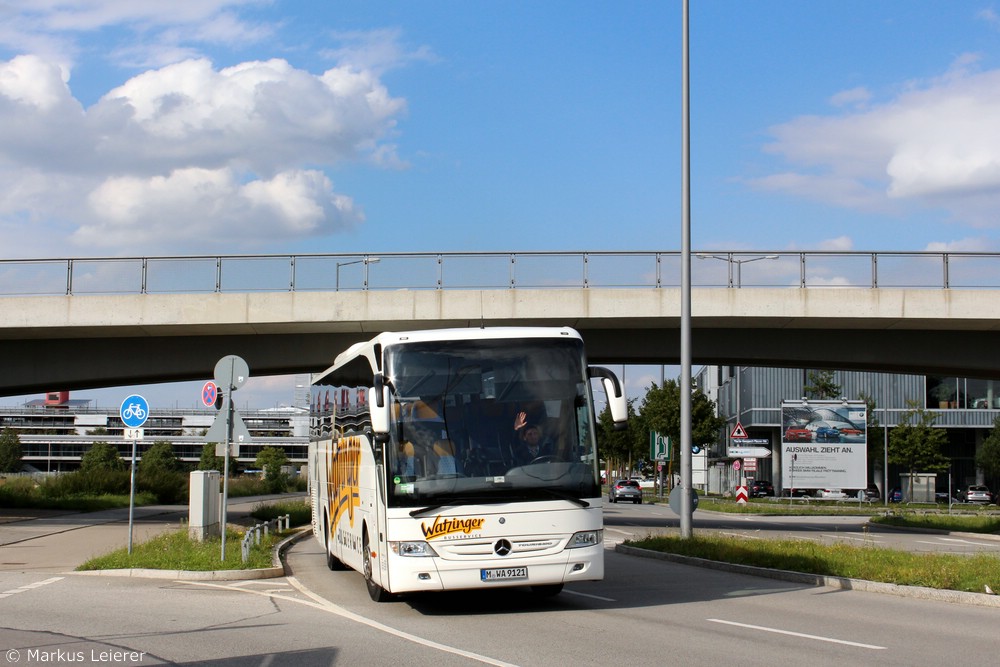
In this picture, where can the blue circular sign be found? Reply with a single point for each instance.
(134, 411)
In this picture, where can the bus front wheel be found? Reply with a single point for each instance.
(547, 590)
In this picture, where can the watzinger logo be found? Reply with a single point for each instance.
(442, 527)
(342, 479)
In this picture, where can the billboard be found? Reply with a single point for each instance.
(824, 444)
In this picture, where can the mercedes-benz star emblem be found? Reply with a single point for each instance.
(502, 547)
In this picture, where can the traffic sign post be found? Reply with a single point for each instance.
(209, 392)
(230, 372)
(134, 411)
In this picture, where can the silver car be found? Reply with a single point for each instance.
(978, 494)
(625, 489)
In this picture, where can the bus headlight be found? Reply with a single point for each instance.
(587, 538)
(416, 549)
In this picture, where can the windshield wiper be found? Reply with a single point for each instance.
(462, 500)
(493, 500)
(565, 496)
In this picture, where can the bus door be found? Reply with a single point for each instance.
(379, 530)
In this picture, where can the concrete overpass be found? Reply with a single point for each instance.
(81, 340)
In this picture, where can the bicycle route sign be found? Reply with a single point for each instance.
(134, 411)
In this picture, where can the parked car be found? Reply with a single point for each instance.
(831, 494)
(625, 489)
(796, 434)
(895, 495)
(870, 493)
(760, 487)
(978, 494)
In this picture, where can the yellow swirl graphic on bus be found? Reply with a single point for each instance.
(342, 468)
(442, 527)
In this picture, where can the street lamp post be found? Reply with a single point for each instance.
(737, 262)
(366, 261)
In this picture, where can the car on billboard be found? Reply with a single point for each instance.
(798, 434)
(827, 434)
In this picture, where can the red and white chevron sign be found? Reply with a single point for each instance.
(741, 495)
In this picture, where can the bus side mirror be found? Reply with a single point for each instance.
(378, 401)
(615, 393)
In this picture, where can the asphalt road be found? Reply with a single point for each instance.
(625, 521)
(644, 612)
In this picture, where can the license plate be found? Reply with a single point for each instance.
(504, 573)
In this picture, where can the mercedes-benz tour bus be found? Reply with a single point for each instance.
(460, 458)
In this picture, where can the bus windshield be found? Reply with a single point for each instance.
(489, 421)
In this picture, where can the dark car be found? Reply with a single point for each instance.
(625, 489)
(760, 487)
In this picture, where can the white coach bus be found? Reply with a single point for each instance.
(466, 459)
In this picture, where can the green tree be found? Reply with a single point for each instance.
(10, 451)
(160, 457)
(619, 448)
(988, 456)
(101, 456)
(270, 460)
(661, 412)
(822, 385)
(209, 461)
(916, 445)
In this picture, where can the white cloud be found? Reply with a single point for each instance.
(841, 244)
(201, 206)
(936, 144)
(968, 244)
(857, 97)
(149, 31)
(375, 50)
(189, 152)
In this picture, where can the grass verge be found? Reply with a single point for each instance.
(943, 571)
(176, 551)
(298, 511)
(986, 524)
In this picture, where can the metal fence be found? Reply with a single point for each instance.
(260, 531)
(495, 270)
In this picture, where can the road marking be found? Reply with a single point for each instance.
(323, 604)
(960, 541)
(28, 587)
(615, 530)
(588, 595)
(798, 634)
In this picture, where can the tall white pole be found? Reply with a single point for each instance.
(685, 388)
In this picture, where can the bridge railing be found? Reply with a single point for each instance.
(495, 270)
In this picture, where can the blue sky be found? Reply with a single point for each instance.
(145, 127)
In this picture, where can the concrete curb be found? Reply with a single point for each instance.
(919, 592)
(277, 570)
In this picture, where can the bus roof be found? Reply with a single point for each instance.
(355, 366)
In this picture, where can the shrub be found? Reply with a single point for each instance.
(94, 482)
(298, 511)
(170, 487)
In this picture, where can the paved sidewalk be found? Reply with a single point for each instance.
(52, 541)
